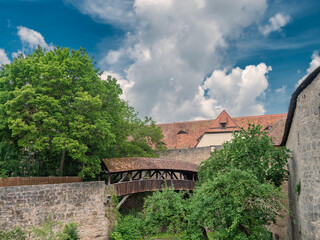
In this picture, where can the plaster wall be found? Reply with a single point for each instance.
(304, 183)
(209, 139)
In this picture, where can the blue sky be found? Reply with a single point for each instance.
(179, 60)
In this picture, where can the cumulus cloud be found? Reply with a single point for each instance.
(239, 90)
(172, 47)
(3, 57)
(275, 24)
(315, 62)
(107, 11)
(32, 39)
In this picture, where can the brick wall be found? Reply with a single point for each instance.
(304, 142)
(82, 203)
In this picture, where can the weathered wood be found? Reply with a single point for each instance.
(125, 188)
(122, 201)
(124, 176)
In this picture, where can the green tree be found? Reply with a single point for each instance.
(250, 150)
(165, 209)
(57, 117)
(235, 205)
(243, 183)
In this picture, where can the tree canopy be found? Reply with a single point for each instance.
(57, 117)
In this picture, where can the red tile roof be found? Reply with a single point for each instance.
(195, 129)
(143, 163)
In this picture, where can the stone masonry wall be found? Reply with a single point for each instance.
(82, 203)
(304, 183)
(192, 155)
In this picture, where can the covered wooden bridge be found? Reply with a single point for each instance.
(140, 174)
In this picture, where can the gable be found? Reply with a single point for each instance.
(223, 123)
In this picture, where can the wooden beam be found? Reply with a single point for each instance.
(146, 173)
(175, 175)
(125, 175)
(122, 201)
(161, 176)
(135, 175)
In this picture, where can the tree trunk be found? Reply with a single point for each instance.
(62, 161)
(245, 229)
(204, 233)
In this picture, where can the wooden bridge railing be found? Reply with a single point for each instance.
(20, 181)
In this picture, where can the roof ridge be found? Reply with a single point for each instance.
(202, 120)
(212, 119)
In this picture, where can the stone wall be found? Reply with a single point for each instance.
(83, 203)
(192, 155)
(304, 183)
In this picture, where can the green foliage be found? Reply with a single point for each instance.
(57, 117)
(71, 232)
(17, 233)
(165, 209)
(250, 150)
(47, 231)
(235, 205)
(129, 227)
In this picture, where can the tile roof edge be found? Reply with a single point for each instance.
(204, 120)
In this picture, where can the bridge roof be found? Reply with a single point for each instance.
(143, 163)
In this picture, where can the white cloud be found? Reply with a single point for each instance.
(32, 39)
(172, 47)
(281, 90)
(275, 24)
(315, 62)
(239, 90)
(3, 57)
(107, 11)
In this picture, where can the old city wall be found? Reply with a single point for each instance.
(304, 184)
(83, 203)
(192, 155)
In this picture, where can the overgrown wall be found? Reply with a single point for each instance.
(304, 184)
(83, 203)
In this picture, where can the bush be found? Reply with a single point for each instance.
(43, 232)
(128, 228)
(71, 231)
(17, 233)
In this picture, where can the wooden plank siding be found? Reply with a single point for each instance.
(20, 181)
(125, 188)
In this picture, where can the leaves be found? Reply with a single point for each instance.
(250, 150)
(62, 118)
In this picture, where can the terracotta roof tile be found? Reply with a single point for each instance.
(223, 118)
(143, 163)
(195, 129)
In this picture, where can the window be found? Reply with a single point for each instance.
(223, 125)
(182, 132)
(268, 128)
